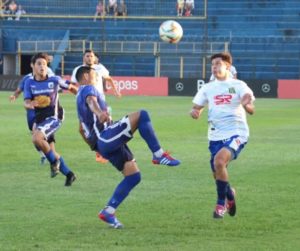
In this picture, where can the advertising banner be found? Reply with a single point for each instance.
(184, 86)
(289, 89)
(189, 87)
(9, 82)
(148, 86)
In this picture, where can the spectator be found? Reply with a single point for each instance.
(189, 6)
(121, 9)
(12, 9)
(20, 12)
(180, 7)
(112, 5)
(100, 10)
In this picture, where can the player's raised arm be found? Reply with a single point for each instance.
(111, 83)
(67, 85)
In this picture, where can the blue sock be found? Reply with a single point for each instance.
(147, 132)
(229, 194)
(50, 157)
(63, 168)
(221, 191)
(123, 189)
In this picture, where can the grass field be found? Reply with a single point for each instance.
(171, 209)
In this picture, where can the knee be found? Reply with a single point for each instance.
(37, 137)
(144, 116)
(219, 164)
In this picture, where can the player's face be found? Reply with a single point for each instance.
(89, 58)
(40, 68)
(219, 68)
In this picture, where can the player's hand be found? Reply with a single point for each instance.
(118, 94)
(195, 113)
(34, 103)
(12, 98)
(41, 101)
(104, 117)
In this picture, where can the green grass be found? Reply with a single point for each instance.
(171, 209)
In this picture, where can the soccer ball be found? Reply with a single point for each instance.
(170, 31)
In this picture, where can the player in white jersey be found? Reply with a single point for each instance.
(89, 59)
(228, 100)
(102, 74)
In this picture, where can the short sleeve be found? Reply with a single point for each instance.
(201, 98)
(89, 90)
(73, 77)
(246, 90)
(27, 94)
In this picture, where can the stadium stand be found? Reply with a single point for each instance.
(263, 36)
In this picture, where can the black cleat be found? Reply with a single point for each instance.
(231, 205)
(70, 178)
(54, 168)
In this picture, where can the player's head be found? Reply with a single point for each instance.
(220, 64)
(86, 75)
(39, 64)
(89, 57)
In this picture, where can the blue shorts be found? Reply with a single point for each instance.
(112, 141)
(49, 126)
(235, 144)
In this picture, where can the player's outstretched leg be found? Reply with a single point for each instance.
(147, 132)
(121, 192)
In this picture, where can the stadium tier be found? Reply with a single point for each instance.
(263, 36)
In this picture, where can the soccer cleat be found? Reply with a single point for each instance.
(70, 178)
(165, 159)
(219, 212)
(110, 219)
(100, 159)
(54, 168)
(231, 205)
(43, 160)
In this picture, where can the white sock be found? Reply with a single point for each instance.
(110, 210)
(158, 153)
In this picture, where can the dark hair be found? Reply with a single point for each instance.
(88, 51)
(224, 55)
(81, 70)
(40, 55)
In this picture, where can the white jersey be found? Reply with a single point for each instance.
(226, 116)
(101, 71)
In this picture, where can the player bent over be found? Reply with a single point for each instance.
(228, 101)
(41, 94)
(109, 139)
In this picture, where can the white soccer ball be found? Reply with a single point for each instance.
(170, 31)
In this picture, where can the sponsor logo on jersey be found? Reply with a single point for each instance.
(231, 90)
(223, 99)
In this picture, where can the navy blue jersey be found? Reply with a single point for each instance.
(47, 88)
(90, 124)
